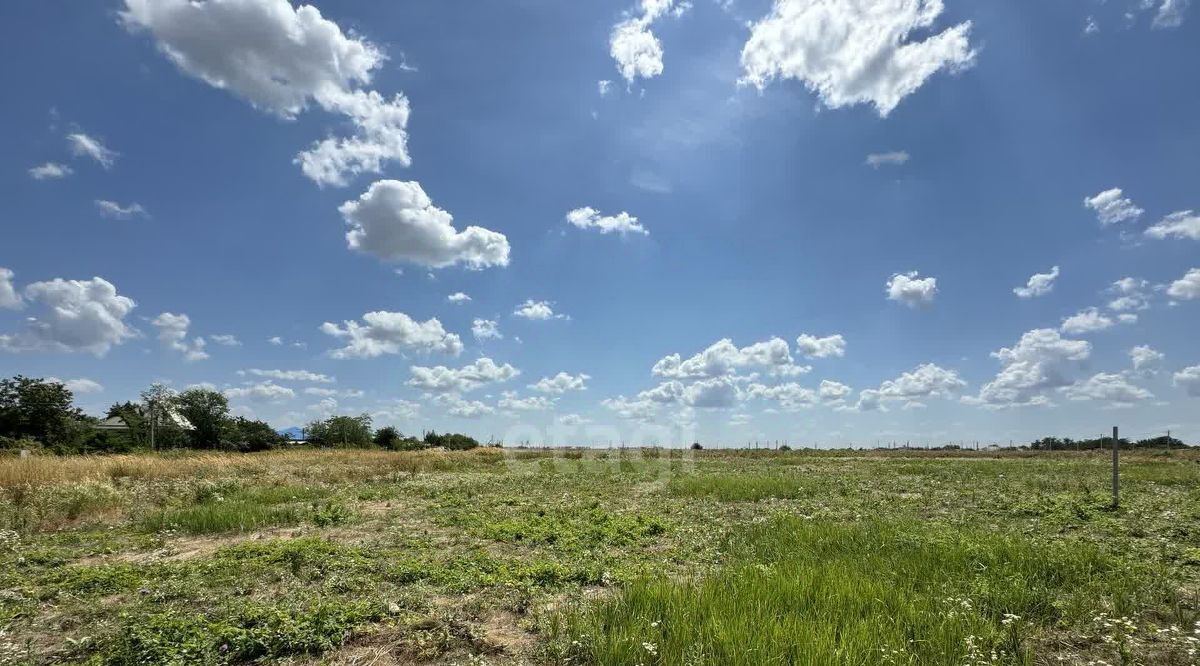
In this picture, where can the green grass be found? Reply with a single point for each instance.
(510, 557)
(805, 592)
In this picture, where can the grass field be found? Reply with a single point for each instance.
(610, 557)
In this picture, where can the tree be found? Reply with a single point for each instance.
(347, 431)
(158, 398)
(389, 438)
(41, 410)
(208, 412)
(451, 441)
(242, 434)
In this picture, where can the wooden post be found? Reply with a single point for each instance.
(1116, 472)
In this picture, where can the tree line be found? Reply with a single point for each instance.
(37, 414)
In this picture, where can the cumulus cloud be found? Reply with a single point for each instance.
(1111, 207)
(484, 329)
(9, 297)
(458, 297)
(712, 393)
(632, 44)
(440, 379)
(78, 316)
(280, 58)
(1187, 287)
(1189, 380)
(540, 310)
(396, 221)
(1131, 294)
(467, 409)
(1039, 284)
(534, 403)
(383, 332)
(911, 289)
(790, 396)
(262, 392)
(1146, 359)
(926, 380)
(1088, 320)
(1114, 389)
(893, 158)
(831, 391)
(1040, 360)
(292, 375)
(50, 170)
(116, 211)
(813, 347)
(561, 383)
(1170, 13)
(851, 52)
(172, 333)
(723, 358)
(590, 218)
(635, 409)
(82, 145)
(1180, 224)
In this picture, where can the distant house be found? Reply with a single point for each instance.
(113, 424)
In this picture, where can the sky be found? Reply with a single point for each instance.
(820, 222)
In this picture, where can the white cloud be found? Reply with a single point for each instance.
(226, 340)
(926, 380)
(665, 393)
(573, 420)
(1187, 287)
(1090, 27)
(292, 375)
(832, 391)
(396, 221)
(82, 145)
(484, 329)
(813, 347)
(790, 396)
(50, 170)
(1146, 359)
(280, 58)
(275, 340)
(397, 411)
(868, 401)
(713, 393)
(1040, 360)
(384, 332)
(540, 310)
(561, 383)
(911, 289)
(535, 403)
(632, 409)
(458, 297)
(172, 332)
(81, 385)
(1107, 387)
(80, 316)
(116, 211)
(262, 392)
(1180, 224)
(893, 158)
(440, 379)
(1131, 294)
(853, 52)
(1189, 380)
(1039, 284)
(590, 218)
(1170, 14)
(723, 358)
(467, 409)
(604, 86)
(9, 297)
(1088, 320)
(636, 49)
(1112, 208)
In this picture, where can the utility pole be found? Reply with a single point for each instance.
(1116, 472)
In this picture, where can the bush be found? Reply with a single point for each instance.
(451, 441)
(389, 438)
(696, 446)
(242, 434)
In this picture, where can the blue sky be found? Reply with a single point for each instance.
(823, 212)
